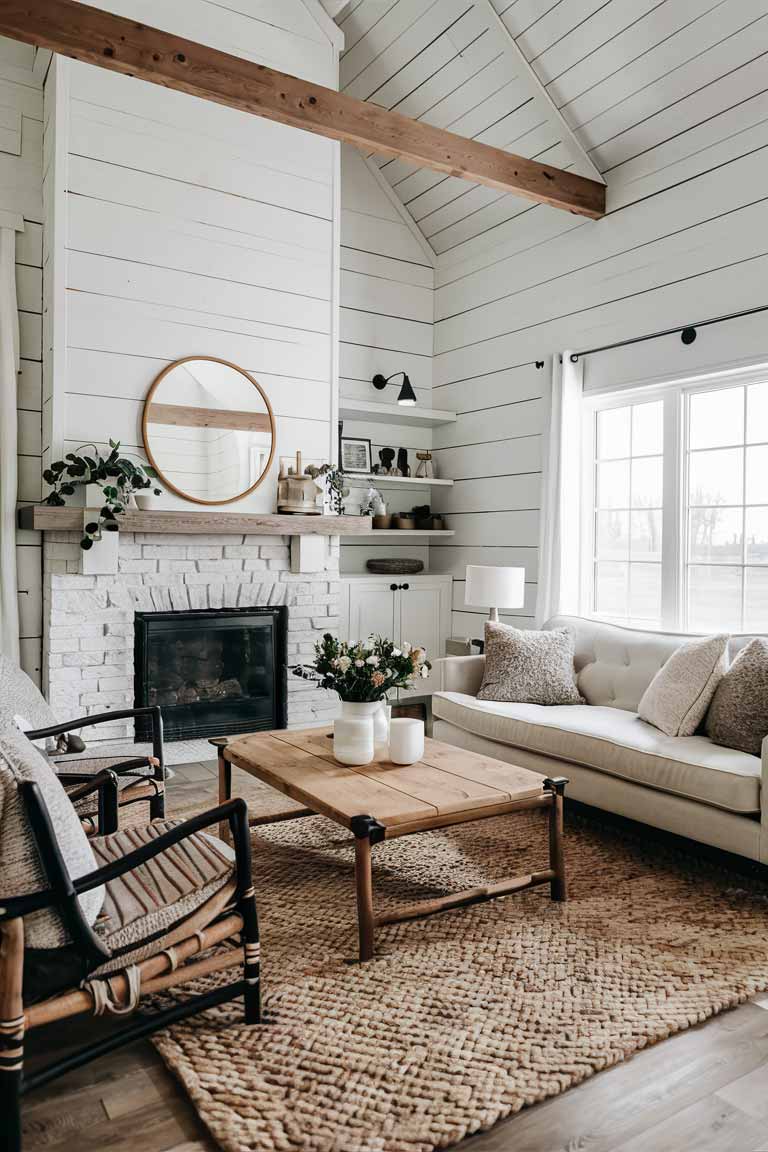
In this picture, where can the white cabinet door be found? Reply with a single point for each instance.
(371, 610)
(424, 619)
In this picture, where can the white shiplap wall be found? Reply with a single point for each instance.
(671, 100)
(182, 227)
(21, 117)
(387, 308)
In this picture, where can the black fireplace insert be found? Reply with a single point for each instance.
(214, 672)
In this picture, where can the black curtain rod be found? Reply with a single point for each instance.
(687, 331)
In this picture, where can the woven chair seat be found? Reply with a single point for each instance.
(193, 879)
(90, 765)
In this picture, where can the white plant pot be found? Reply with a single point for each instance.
(101, 558)
(94, 496)
(353, 732)
(147, 501)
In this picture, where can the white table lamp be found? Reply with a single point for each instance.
(494, 587)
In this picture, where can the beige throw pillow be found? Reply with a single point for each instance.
(738, 714)
(677, 698)
(526, 667)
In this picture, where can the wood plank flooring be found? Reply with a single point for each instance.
(705, 1090)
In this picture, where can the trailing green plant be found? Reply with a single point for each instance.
(117, 476)
(334, 481)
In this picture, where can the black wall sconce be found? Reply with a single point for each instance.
(407, 395)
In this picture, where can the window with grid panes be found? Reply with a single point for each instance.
(675, 531)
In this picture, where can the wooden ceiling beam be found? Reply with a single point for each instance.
(97, 37)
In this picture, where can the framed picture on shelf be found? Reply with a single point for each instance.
(355, 455)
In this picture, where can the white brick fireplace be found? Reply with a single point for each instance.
(88, 621)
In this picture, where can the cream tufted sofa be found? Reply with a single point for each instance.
(613, 759)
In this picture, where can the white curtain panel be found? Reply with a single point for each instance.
(559, 552)
(9, 367)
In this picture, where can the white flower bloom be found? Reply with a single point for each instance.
(343, 663)
(359, 663)
(424, 671)
(373, 661)
(421, 654)
(406, 649)
(396, 652)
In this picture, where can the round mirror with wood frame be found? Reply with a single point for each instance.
(208, 430)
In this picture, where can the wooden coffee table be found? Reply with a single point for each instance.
(381, 800)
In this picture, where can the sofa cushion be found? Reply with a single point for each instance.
(738, 714)
(617, 742)
(528, 666)
(677, 698)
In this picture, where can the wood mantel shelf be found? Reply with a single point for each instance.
(43, 518)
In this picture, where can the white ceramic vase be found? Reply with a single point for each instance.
(353, 732)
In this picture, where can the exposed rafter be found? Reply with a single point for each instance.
(581, 158)
(98, 37)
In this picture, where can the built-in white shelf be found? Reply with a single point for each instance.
(410, 481)
(404, 533)
(377, 413)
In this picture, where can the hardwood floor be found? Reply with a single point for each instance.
(705, 1090)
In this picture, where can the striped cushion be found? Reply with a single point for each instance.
(143, 905)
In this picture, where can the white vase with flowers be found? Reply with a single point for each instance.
(363, 675)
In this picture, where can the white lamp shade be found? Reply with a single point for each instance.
(494, 587)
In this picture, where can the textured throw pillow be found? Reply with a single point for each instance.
(525, 667)
(677, 698)
(21, 871)
(738, 714)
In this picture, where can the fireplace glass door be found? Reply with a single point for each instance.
(213, 672)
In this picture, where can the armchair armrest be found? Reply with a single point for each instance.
(459, 674)
(153, 713)
(105, 783)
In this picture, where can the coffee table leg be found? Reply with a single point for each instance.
(364, 888)
(556, 786)
(367, 832)
(225, 790)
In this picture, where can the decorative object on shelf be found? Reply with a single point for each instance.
(382, 521)
(355, 455)
(373, 504)
(426, 520)
(426, 466)
(403, 466)
(386, 465)
(494, 587)
(297, 490)
(208, 419)
(403, 522)
(335, 491)
(406, 740)
(109, 481)
(362, 674)
(390, 566)
(406, 396)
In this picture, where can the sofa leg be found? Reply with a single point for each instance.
(558, 887)
(11, 1034)
(251, 950)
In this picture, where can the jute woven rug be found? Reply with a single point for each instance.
(471, 1015)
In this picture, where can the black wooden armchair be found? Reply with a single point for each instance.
(77, 938)
(141, 778)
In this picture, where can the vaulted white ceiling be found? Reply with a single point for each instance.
(591, 85)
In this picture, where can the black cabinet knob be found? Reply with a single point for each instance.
(404, 587)
(393, 587)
